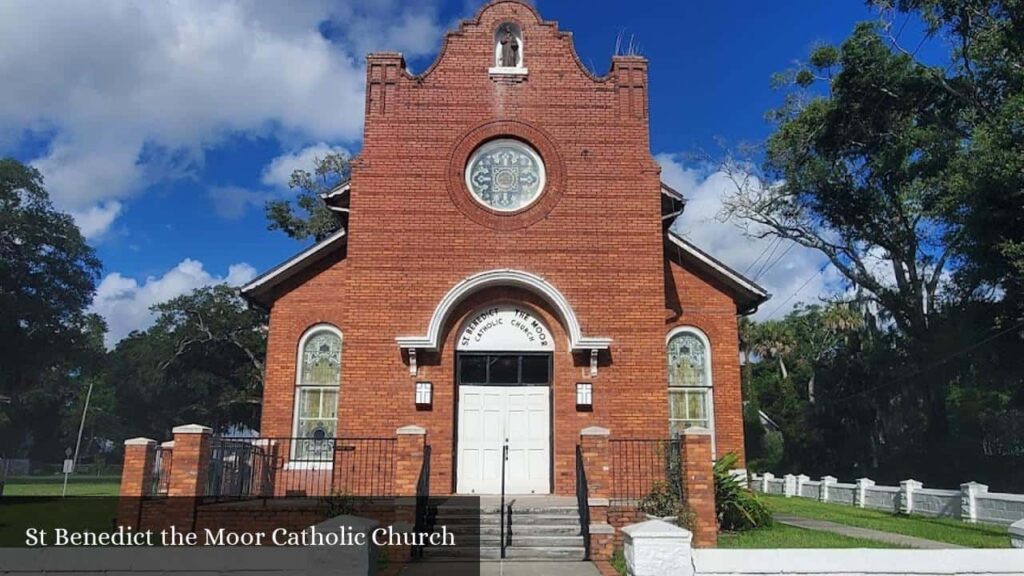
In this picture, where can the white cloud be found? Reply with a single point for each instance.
(135, 92)
(279, 171)
(791, 272)
(96, 220)
(125, 303)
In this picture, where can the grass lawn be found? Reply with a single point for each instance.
(940, 529)
(777, 536)
(52, 485)
(781, 536)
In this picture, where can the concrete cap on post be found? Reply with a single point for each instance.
(657, 548)
(911, 484)
(829, 480)
(192, 429)
(595, 431)
(168, 445)
(1017, 534)
(411, 430)
(974, 487)
(140, 441)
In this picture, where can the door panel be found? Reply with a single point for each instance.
(487, 416)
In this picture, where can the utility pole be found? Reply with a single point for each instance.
(78, 443)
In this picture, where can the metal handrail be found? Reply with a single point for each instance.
(501, 508)
(583, 501)
(423, 521)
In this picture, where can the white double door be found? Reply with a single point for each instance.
(490, 415)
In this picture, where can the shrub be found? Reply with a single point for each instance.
(737, 507)
(662, 501)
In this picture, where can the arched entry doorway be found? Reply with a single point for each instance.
(503, 374)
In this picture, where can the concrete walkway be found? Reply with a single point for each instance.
(864, 533)
(503, 568)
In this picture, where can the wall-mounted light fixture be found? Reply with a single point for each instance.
(424, 394)
(584, 396)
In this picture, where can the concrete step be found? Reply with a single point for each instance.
(517, 519)
(534, 529)
(461, 510)
(517, 552)
(519, 540)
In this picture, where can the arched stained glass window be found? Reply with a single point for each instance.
(689, 381)
(316, 399)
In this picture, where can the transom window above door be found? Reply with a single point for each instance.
(504, 369)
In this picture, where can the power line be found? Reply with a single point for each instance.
(777, 260)
(802, 286)
(759, 256)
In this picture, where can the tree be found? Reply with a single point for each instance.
(859, 173)
(48, 275)
(909, 179)
(307, 216)
(201, 361)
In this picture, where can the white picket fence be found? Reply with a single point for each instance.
(971, 503)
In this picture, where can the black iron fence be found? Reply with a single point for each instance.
(161, 475)
(240, 468)
(638, 466)
(293, 466)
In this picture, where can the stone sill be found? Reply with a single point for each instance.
(507, 72)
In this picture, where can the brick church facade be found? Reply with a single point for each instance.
(504, 273)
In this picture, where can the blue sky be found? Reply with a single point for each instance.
(163, 127)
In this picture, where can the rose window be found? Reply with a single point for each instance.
(505, 175)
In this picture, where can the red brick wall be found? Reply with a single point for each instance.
(414, 233)
(700, 303)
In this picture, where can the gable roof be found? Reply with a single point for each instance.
(261, 289)
(748, 294)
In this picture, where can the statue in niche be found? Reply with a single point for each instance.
(509, 54)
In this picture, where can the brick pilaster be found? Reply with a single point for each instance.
(136, 479)
(699, 486)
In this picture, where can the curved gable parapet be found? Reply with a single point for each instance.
(431, 340)
(498, 10)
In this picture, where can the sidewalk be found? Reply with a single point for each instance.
(855, 532)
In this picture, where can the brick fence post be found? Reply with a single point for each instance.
(597, 464)
(968, 500)
(409, 449)
(860, 498)
(136, 479)
(826, 482)
(192, 447)
(699, 485)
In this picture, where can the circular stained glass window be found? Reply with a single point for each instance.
(505, 175)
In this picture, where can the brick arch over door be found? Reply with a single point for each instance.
(503, 278)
